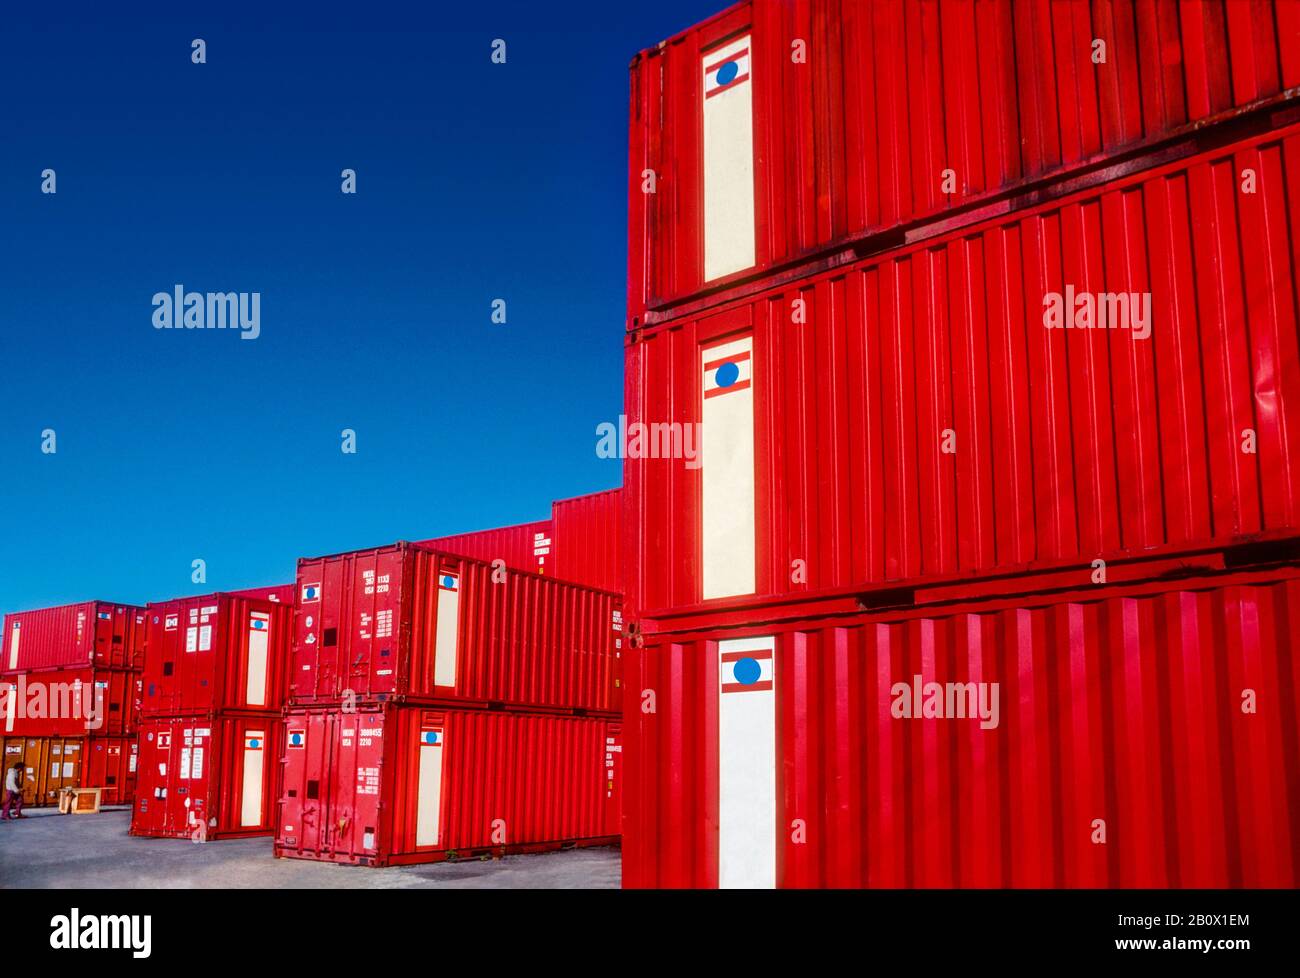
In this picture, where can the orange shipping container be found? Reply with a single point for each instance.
(54, 763)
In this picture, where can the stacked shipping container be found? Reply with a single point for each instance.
(581, 542)
(215, 680)
(442, 705)
(71, 689)
(870, 249)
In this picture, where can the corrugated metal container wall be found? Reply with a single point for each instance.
(1146, 736)
(588, 540)
(71, 702)
(835, 120)
(90, 633)
(406, 621)
(923, 421)
(405, 784)
(208, 776)
(54, 763)
(216, 652)
(526, 546)
(279, 593)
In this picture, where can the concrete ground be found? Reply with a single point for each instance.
(94, 851)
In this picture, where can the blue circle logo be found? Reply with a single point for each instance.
(297, 738)
(727, 73)
(727, 375)
(254, 743)
(448, 582)
(747, 671)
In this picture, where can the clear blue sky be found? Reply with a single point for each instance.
(476, 181)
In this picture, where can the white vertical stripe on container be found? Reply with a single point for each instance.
(258, 639)
(728, 158)
(747, 775)
(445, 641)
(727, 470)
(250, 806)
(428, 801)
(14, 634)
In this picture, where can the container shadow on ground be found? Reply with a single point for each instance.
(94, 851)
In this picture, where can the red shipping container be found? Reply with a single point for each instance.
(208, 776)
(216, 652)
(778, 133)
(280, 593)
(919, 419)
(70, 702)
(53, 763)
(94, 633)
(1143, 735)
(525, 546)
(405, 621)
(110, 763)
(588, 532)
(408, 784)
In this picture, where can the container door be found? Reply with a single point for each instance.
(69, 766)
(107, 769)
(158, 755)
(306, 655)
(299, 806)
(428, 815)
(369, 627)
(36, 750)
(354, 824)
(201, 651)
(189, 807)
(169, 652)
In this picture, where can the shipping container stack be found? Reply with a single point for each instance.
(214, 688)
(71, 683)
(987, 571)
(444, 706)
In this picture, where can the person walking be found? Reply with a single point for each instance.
(13, 793)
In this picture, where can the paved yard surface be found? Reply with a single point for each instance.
(71, 851)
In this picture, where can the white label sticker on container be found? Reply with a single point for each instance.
(205, 638)
(198, 762)
(185, 764)
(67, 769)
(191, 639)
